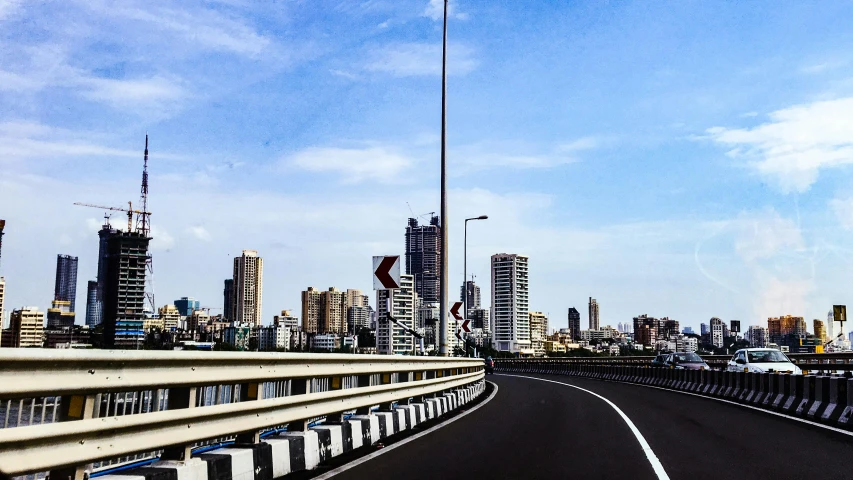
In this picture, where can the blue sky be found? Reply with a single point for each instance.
(681, 159)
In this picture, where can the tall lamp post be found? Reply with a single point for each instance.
(442, 287)
(465, 266)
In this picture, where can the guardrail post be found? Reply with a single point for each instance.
(183, 397)
(71, 408)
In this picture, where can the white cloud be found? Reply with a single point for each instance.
(21, 139)
(200, 233)
(435, 10)
(8, 7)
(353, 165)
(764, 234)
(418, 59)
(127, 94)
(843, 210)
(796, 143)
(517, 155)
(204, 27)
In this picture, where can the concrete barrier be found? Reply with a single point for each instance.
(837, 402)
(795, 395)
(821, 398)
(808, 396)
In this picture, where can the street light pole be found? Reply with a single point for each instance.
(442, 334)
(465, 266)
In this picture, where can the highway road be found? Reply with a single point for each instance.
(541, 429)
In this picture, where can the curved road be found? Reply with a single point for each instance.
(537, 429)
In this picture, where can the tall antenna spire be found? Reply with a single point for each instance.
(142, 224)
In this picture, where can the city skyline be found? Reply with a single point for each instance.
(724, 226)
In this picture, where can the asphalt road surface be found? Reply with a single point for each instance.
(535, 429)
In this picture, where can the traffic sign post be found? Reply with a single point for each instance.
(386, 272)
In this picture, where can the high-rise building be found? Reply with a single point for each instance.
(2, 302)
(830, 328)
(668, 328)
(65, 287)
(479, 318)
(574, 323)
(103, 237)
(703, 329)
(688, 331)
(93, 304)
(820, 330)
(26, 326)
(538, 332)
(248, 288)
(355, 298)
(187, 305)
(390, 338)
(473, 291)
(358, 317)
(593, 314)
(124, 289)
(423, 258)
(326, 311)
(59, 315)
(780, 327)
(716, 332)
(645, 330)
(756, 336)
(228, 294)
(510, 318)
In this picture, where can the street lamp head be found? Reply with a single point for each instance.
(482, 217)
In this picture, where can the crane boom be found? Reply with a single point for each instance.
(130, 211)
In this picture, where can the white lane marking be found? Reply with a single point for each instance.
(730, 402)
(650, 455)
(355, 463)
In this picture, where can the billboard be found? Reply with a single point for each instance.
(735, 326)
(839, 313)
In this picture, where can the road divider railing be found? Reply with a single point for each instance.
(826, 399)
(77, 413)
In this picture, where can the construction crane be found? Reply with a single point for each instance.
(129, 210)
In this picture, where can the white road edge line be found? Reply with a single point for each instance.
(769, 412)
(359, 461)
(650, 455)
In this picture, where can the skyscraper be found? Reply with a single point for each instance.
(187, 305)
(423, 257)
(473, 294)
(228, 294)
(390, 338)
(593, 314)
(103, 237)
(248, 288)
(510, 318)
(65, 287)
(93, 304)
(126, 254)
(574, 323)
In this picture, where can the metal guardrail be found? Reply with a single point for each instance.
(251, 392)
(807, 361)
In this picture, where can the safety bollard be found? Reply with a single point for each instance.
(837, 401)
(808, 395)
(821, 399)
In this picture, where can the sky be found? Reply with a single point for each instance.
(685, 159)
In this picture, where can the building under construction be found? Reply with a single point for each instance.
(124, 289)
(423, 257)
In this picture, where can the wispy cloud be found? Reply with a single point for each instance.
(19, 140)
(418, 59)
(517, 155)
(204, 27)
(796, 143)
(378, 163)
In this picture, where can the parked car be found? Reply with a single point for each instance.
(659, 360)
(490, 366)
(762, 360)
(685, 361)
